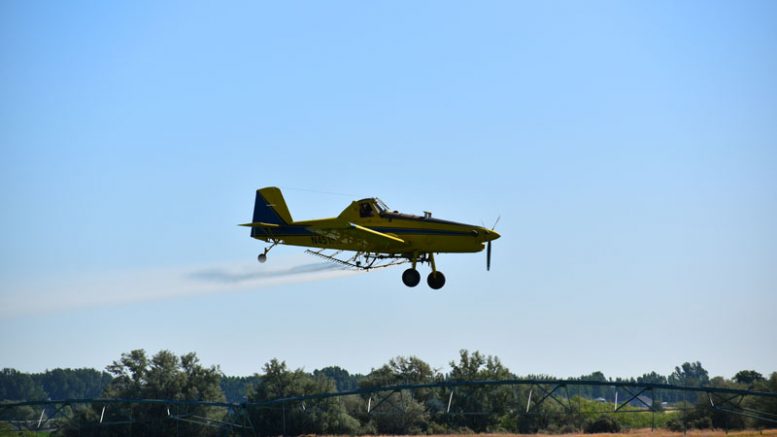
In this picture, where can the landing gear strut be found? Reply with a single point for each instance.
(411, 277)
(435, 279)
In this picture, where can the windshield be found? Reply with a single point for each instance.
(381, 206)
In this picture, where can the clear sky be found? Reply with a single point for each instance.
(630, 148)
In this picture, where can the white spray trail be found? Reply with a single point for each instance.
(38, 297)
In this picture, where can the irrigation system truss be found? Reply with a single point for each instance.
(639, 398)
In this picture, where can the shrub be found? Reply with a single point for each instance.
(601, 425)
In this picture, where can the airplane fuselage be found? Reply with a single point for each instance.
(421, 234)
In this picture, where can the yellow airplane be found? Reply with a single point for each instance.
(378, 236)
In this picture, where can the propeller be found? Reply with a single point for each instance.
(488, 249)
(488, 257)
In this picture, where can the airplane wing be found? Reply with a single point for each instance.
(369, 234)
(352, 231)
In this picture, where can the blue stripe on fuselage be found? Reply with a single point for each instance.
(302, 231)
(284, 231)
(419, 231)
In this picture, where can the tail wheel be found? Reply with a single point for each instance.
(411, 277)
(435, 280)
(263, 256)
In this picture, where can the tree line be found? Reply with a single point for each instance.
(136, 375)
(53, 384)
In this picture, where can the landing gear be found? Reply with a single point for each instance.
(411, 277)
(435, 280)
(263, 256)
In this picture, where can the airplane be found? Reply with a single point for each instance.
(378, 236)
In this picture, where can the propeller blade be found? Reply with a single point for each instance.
(497, 221)
(488, 257)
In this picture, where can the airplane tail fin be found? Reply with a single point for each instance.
(270, 207)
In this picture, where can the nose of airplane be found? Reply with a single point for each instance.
(490, 235)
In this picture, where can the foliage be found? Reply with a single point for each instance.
(236, 388)
(767, 405)
(689, 375)
(690, 417)
(631, 417)
(344, 381)
(15, 385)
(7, 430)
(461, 410)
(163, 376)
(325, 416)
(73, 383)
(601, 425)
(480, 408)
(748, 377)
(404, 411)
(652, 378)
(596, 391)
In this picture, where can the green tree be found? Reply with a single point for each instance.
(403, 411)
(765, 404)
(164, 376)
(595, 391)
(748, 377)
(73, 383)
(652, 378)
(236, 388)
(325, 416)
(656, 378)
(718, 418)
(480, 408)
(18, 386)
(603, 424)
(344, 381)
(690, 375)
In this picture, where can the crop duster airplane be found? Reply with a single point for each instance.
(378, 236)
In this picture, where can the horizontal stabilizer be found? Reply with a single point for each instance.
(260, 225)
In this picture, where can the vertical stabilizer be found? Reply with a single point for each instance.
(270, 207)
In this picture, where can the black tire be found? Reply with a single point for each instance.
(411, 277)
(435, 280)
(262, 258)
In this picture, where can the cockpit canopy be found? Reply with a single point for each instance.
(371, 207)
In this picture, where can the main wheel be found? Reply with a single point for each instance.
(435, 280)
(411, 277)
(262, 258)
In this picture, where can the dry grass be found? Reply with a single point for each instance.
(695, 433)
(635, 433)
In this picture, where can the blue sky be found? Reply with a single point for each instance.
(630, 149)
